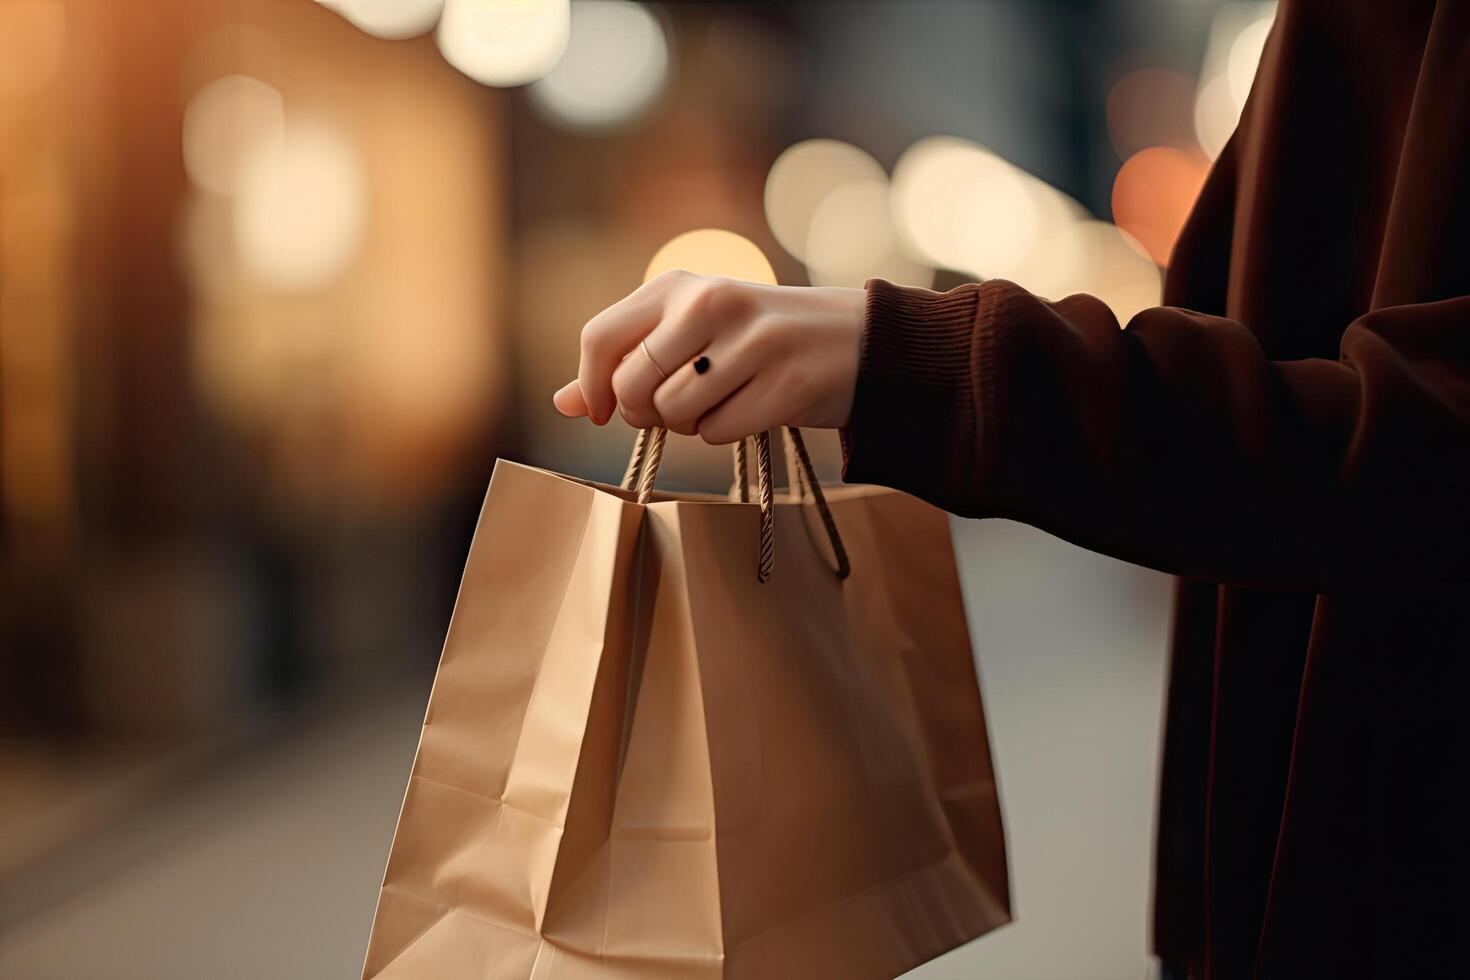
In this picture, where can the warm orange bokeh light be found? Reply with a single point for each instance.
(713, 252)
(1153, 194)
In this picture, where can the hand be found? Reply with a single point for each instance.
(772, 355)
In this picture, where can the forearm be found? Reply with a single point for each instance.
(1175, 443)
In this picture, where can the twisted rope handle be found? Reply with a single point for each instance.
(648, 451)
(808, 473)
(741, 488)
(655, 455)
(635, 461)
(768, 507)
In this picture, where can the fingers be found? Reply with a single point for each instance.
(569, 401)
(686, 331)
(753, 408)
(633, 384)
(653, 334)
(636, 353)
(611, 335)
(683, 399)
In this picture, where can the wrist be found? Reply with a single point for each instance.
(849, 310)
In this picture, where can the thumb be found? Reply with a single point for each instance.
(569, 401)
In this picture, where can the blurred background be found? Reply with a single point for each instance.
(280, 279)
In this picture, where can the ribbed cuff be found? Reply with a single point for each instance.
(914, 413)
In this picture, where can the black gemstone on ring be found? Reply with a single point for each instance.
(701, 364)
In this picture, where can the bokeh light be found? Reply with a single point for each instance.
(1099, 258)
(223, 122)
(1151, 107)
(1245, 57)
(32, 44)
(391, 20)
(368, 371)
(1153, 194)
(961, 207)
(301, 207)
(1216, 115)
(504, 42)
(1237, 37)
(713, 252)
(613, 68)
(852, 239)
(1055, 213)
(802, 177)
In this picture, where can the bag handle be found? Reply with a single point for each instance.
(806, 474)
(648, 451)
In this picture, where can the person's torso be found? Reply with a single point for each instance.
(1344, 190)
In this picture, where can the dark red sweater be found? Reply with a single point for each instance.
(1291, 437)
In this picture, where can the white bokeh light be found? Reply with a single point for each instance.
(613, 68)
(504, 42)
(802, 177)
(1245, 58)
(958, 206)
(392, 20)
(1099, 258)
(301, 207)
(1216, 114)
(1054, 214)
(226, 119)
(1238, 34)
(851, 240)
(996, 220)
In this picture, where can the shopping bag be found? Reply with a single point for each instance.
(687, 735)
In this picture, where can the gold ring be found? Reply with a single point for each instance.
(649, 354)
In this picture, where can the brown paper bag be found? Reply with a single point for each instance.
(641, 761)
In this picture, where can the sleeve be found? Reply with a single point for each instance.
(1176, 443)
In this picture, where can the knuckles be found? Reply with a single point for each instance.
(670, 277)
(592, 339)
(704, 298)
